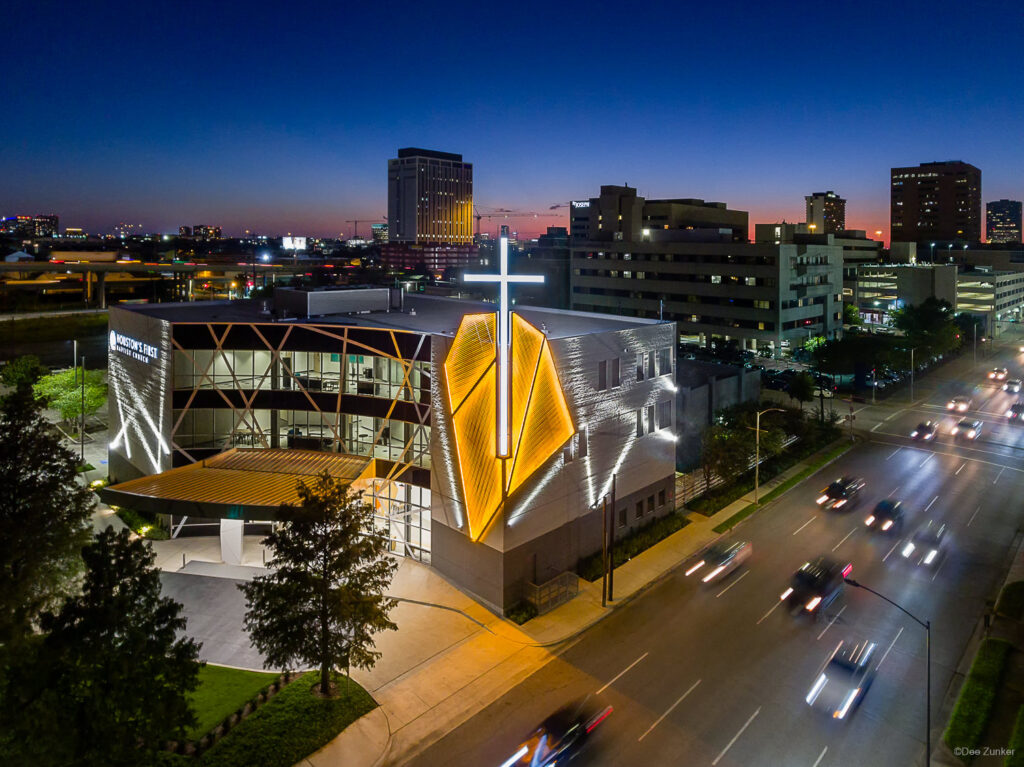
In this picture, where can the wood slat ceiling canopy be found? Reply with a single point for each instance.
(237, 484)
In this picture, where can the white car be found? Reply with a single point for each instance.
(844, 680)
(1012, 384)
(925, 546)
(720, 559)
(960, 404)
(998, 374)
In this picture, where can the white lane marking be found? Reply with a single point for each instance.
(930, 456)
(805, 524)
(933, 500)
(973, 516)
(820, 757)
(941, 563)
(894, 453)
(744, 575)
(999, 475)
(961, 467)
(844, 539)
(834, 619)
(736, 737)
(769, 612)
(892, 415)
(891, 551)
(893, 492)
(661, 718)
(964, 447)
(619, 675)
(893, 642)
(876, 426)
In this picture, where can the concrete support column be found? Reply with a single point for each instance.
(231, 541)
(101, 289)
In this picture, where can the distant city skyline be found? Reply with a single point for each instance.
(248, 122)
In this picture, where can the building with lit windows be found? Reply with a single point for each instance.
(217, 408)
(936, 202)
(430, 198)
(1003, 221)
(826, 213)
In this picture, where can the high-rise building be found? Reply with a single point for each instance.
(184, 231)
(46, 225)
(826, 213)
(936, 202)
(430, 198)
(20, 226)
(380, 232)
(1003, 221)
(206, 232)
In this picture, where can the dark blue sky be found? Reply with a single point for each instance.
(281, 117)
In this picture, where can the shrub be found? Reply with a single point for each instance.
(977, 696)
(1011, 601)
(521, 612)
(1016, 744)
(638, 540)
(142, 523)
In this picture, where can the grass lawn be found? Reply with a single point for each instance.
(293, 725)
(60, 328)
(977, 696)
(1011, 601)
(221, 692)
(775, 492)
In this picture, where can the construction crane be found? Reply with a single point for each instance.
(358, 221)
(506, 213)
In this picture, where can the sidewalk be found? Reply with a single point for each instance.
(463, 657)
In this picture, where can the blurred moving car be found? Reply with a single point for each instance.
(558, 738)
(960, 404)
(1016, 411)
(966, 428)
(998, 374)
(844, 492)
(844, 680)
(925, 546)
(925, 430)
(1012, 385)
(886, 516)
(816, 585)
(720, 559)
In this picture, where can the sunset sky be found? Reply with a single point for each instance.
(281, 117)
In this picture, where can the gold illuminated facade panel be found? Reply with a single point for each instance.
(540, 420)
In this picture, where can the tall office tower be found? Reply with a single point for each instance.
(430, 198)
(936, 202)
(379, 232)
(826, 213)
(46, 225)
(1003, 221)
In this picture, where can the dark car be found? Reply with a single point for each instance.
(816, 585)
(559, 738)
(844, 680)
(925, 430)
(1016, 412)
(886, 516)
(843, 493)
(927, 545)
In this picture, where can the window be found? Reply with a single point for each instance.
(639, 509)
(664, 361)
(640, 422)
(650, 365)
(650, 504)
(665, 414)
(661, 497)
(639, 366)
(616, 380)
(622, 517)
(650, 419)
(602, 375)
(581, 443)
(716, 279)
(750, 280)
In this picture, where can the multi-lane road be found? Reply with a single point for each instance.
(717, 675)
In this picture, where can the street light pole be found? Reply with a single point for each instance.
(975, 326)
(927, 626)
(757, 447)
(912, 374)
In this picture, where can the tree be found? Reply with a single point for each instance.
(26, 369)
(109, 682)
(851, 316)
(44, 516)
(801, 388)
(63, 392)
(929, 326)
(325, 598)
(726, 451)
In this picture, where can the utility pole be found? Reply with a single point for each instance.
(604, 551)
(611, 547)
(81, 434)
(874, 385)
(975, 325)
(757, 448)
(912, 374)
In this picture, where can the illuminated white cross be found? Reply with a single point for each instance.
(503, 278)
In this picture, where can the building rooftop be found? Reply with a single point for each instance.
(421, 314)
(431, 153)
